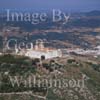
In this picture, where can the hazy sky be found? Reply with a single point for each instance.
(69, 5)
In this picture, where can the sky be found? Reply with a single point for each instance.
(69, 5)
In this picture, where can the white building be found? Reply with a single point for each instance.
(39, 50)
(46, 54)
(0, 53)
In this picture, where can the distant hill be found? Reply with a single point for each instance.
(93, 13)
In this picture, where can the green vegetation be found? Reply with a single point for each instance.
(16, 65)
(70, 61)
(52, 65)
(21, 67)
(73, 69)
